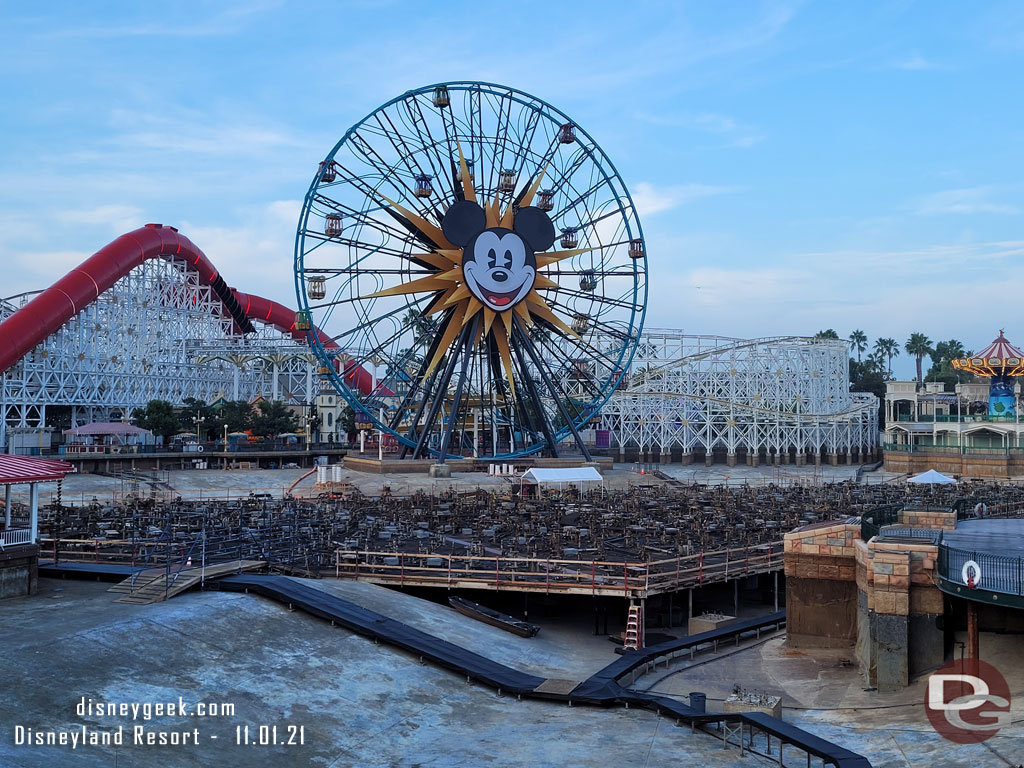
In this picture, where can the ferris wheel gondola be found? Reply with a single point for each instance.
(473, 249)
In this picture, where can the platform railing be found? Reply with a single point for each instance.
(995, 573)
(14, 537)
(554, 574)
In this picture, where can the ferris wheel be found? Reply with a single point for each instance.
(472, 272)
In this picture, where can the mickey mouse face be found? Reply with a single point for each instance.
(499, 264)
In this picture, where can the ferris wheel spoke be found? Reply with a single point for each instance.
(367, 240)
(406, 153)
(557, 394)
(569, 362)
(373, 158)
(358, 329)
(611, 330)
(542, 416)
(438, 171)
(440, 391)
(603, 300)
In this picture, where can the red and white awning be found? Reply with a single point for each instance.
(1000, 358)
(29, 469)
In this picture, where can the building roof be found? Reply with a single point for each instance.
(29, 469)
(566, 475)
(107, 428)
(931, 477)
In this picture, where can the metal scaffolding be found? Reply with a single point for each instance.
(158, 333)
(766, 398)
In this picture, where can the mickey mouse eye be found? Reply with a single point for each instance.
(508, 260)
(492, 259)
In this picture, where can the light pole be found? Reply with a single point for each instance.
(199, 424)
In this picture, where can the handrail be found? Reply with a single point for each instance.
(871, 522)
(997, 573)
(548, 573)
(15, 537)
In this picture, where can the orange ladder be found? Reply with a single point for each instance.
(633, 639)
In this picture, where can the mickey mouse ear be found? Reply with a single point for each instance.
(463, 221)
(534, 226)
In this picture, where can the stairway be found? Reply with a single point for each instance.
(156, 584)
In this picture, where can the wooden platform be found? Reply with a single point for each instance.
(156, 585)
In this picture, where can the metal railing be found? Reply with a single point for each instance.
(954, 450)
(998, 573)
(553, 575)
(871, 522)
(964, 418)
(14, 537)
(74, 450)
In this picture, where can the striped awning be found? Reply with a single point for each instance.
(1000, 358)
(29, 469)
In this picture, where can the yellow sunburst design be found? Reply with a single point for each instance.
(448, 285)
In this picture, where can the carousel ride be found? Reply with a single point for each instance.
(473, 251)
(1000, 362)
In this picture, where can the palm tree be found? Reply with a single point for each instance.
(919, 345)
(887, 348)
(829, 334)
(422, 326)
(859, 341)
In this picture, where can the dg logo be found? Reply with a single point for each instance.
(968, 701)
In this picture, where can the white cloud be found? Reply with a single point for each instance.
(933, 289)
(114, 217)
(970, 200)
(650, 199)
(255, 256)
(227, 22)
(915, 62)
(188, 132)
(736, 134)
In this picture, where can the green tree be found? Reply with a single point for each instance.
(158, 417)
(919, 345)
(887, 348)
(236, 415)
(193, 408)
(423, 327)
(859, 342)
(829, 334)
(869, 376)
(942, 369)
(348, 422)
(273, 419)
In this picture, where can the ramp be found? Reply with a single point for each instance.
(156, 584)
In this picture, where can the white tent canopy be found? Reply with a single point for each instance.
(931, 477)
(545, 476)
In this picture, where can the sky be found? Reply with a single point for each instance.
(797, 166)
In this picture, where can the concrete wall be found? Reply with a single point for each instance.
(880, 597)
(967, 465)
(821, 592)
(19, 572)
(899, 637)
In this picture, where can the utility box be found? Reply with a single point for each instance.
(708, 622)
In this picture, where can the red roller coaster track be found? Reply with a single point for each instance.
(47, 312)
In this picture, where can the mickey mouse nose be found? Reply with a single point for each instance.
(499, 275)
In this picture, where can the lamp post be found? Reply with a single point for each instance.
(199, 424)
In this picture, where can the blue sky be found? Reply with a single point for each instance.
(797, 165)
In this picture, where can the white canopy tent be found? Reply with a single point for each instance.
(581, 476)
(931, 477)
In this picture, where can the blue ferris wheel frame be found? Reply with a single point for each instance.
(328, 358)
